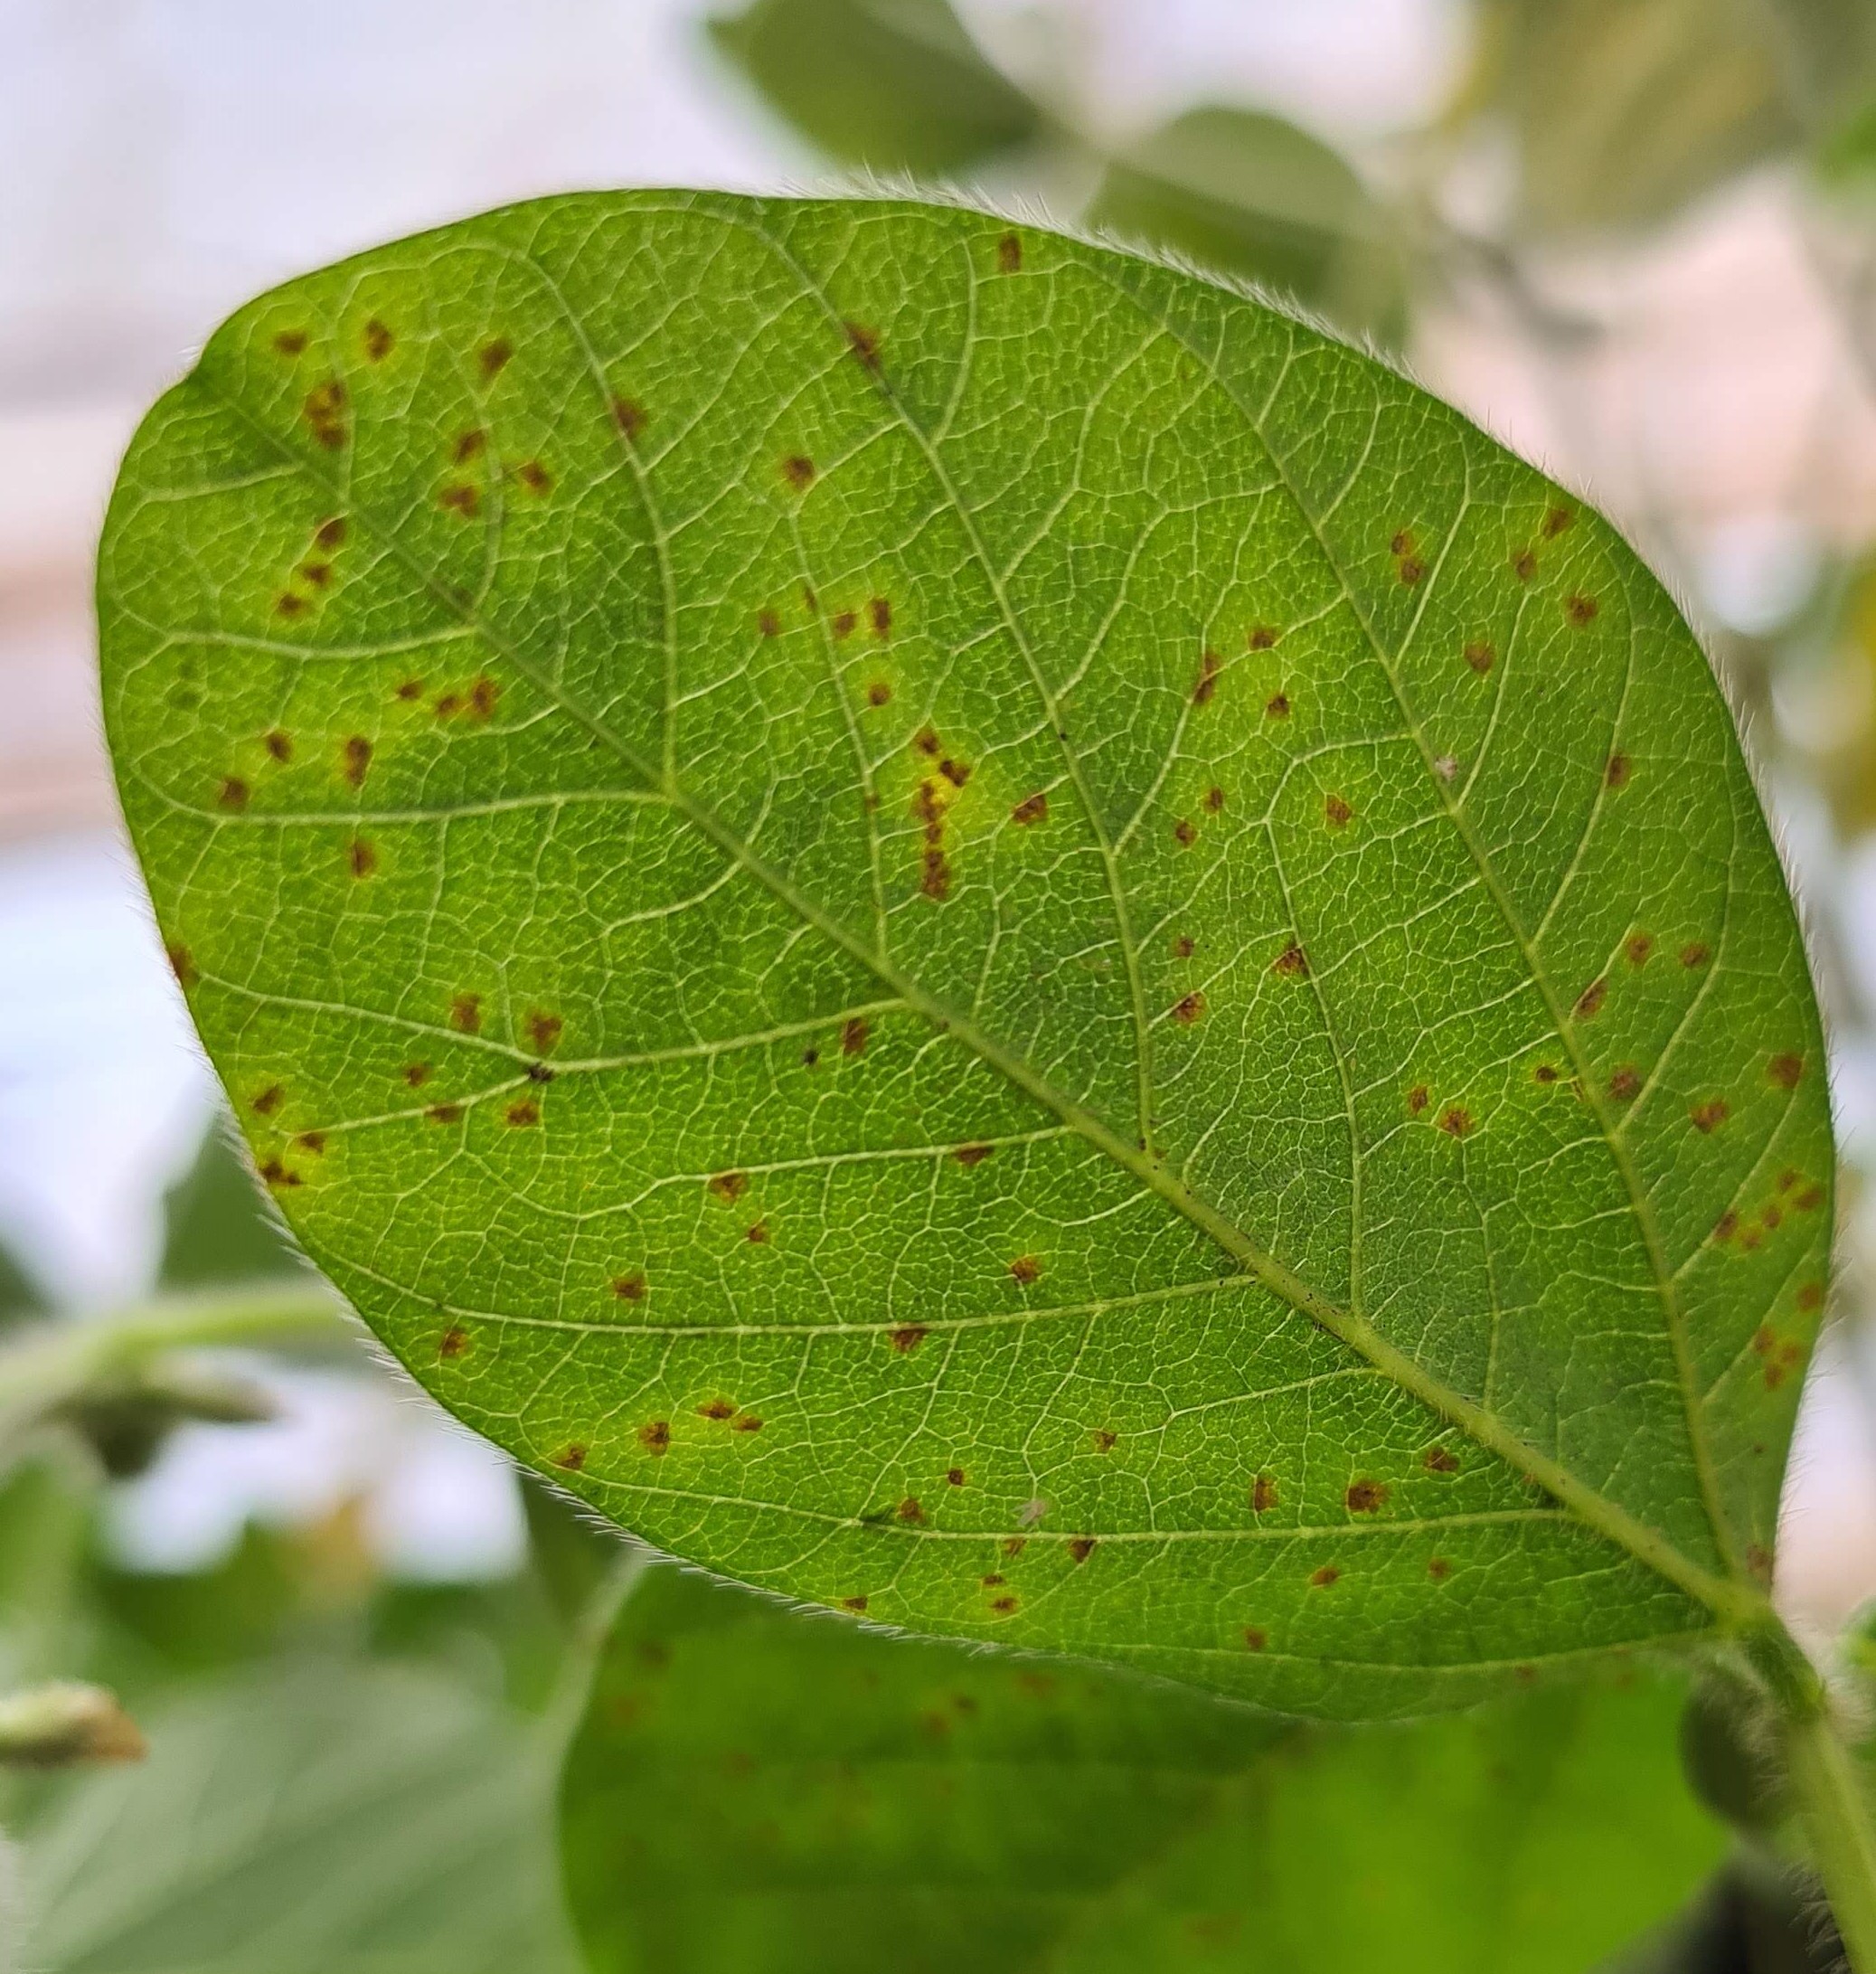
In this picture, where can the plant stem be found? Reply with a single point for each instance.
(1836, 1818)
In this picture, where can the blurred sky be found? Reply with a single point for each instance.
(161, 160)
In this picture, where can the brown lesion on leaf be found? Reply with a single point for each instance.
(630, 417)
(1081, 1547)
(907, 1337)
(181, 963)
(523, 1113)
(853, 1035)
(654, 1436)
(768, 624)
(1480, 657)
(453, 1343)
(1440, 1459)
(1024, 1269)
(1031, 810)
(758, 1233)
(1365, 1497)
(1637, 947)
(1183, 947)
(1524, 564)
(1263, 1493)
(879, 614)
(1439, 1569)
(1557, 521)
(1292, 962)
(1417, 1099)
(493, 358)
(855, 1604)
(311, 1142)
(1014, 1545)
(416, 1074)
(289, 604)
(233, 793)
(1212, 800)
(356, 759)
(543, 1029)
(445, 1113)
(1260, 637)
(268, 1101)
(469, 445)
(798, 471)
(842, 623)
(1185, 833)
(324, 411)
(461, 500)
(377, 340)
(465, 1014)
(1336, 812)
(1408, 566)
(1277, 706)
(1004, 1606)
(728, 1186)
(1589, 1001)
(1694, 954)
(533, 478)
(1455, 1121)
(317, 574)
(1581, 609)
(570, 1458)
(1546, 1073)
(1210, 666)
(910, 1510)
(716, 1408)
(1810, 1298)
(289, 342)
(331, 533)
(279, 745)
(954, 1477)
(972, 1154)
(1618, 771)
(1321, 1579)
(629, 1288)
(361, 858)
(1785, 1070)
(1709, 1116)
(279, 1175)
(746, 1422)
(864, 343)
(1624, 1083)
(1009, 254)
(1104, 1439)
(1255, 1637)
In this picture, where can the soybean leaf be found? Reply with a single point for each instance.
(1254, 195)
(1622, 111)
(750, 1790)
(895, 85)
(987, 936)
(318, 1821)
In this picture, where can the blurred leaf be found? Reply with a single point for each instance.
(217, 1224)
(1624, 111)
(1846, 159)
(894, 85)
(760, 1791)
(1255, 195)
(316, 1820)
(128, 1418)
(66, 1722)
(20, 1296)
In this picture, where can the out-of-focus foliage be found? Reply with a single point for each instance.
(217, 1226)
(1254, 195)
(894, 85)
(20, 1296)
(756, 1792)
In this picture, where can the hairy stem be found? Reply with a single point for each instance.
(1836, 1818)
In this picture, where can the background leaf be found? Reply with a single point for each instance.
(216, 1224)
(985, 935)
(750, 1790)
(1255, 194)
(894, 85)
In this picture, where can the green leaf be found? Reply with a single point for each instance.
(216, 1224)
(1623, 111)
(20, 1296)
(1255, 195)
(751, 1791)
(924, 903)
(894, 85)
(317, 1820)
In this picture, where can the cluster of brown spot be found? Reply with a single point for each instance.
(453, 1343)
(1365, 1497)
(1709, 1116)
(1292, 962)
(1589, 1001)
(864, 343)
(278, 1175)
(1336, 812)
(844, 623)
(361, 856)
(1190, 1009)
(907, 1337)
(1480, 657)
(461, 498)
(1260, 637)
(798, 470)
(954, 1477)
(1779, 1357)
(1810, 1298)
(629, 1288)
(1009, 254)
(465, 1014)
(1210, 666)
(1024, 1269)
(728, 1186)
(325, 413)
(356, 759)
(1263, 1493)
(933, 798)
(476, 702)
(629, 416)
(1407, 564)
(655, 1437)
(854, 1036)
(378, 341)
(769, 625)
(1031, 810)
(543, 1029)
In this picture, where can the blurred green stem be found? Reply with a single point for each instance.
(56, 1360)
(1837, 1821)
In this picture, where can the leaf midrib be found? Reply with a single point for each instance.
(1732, 1601)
